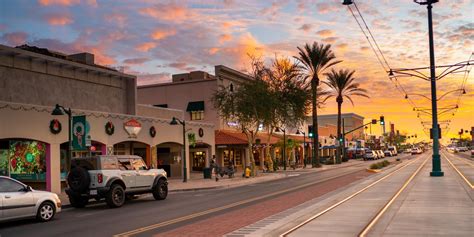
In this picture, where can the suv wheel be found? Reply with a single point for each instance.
(116, 196)
(160, 191)
(78, 201)
(46, 212)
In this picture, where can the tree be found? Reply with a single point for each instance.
(316, 58)
(246, 104)
(291, 95)
(342, 85)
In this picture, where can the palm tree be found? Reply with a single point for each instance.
(342, 85)
(315, 59)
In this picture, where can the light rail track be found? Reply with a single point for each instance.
(240, 203)
(379, 213)
(457, 170)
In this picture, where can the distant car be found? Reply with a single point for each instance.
(393, 149)
(452, 149)
(388, 153)
(380, 153)
(408, 151)
(472, 152)
(416, 151)
(462, 149)
(18, 201)
(370, 155)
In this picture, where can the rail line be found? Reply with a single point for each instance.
(458, 171)
(379, 213)
(214, 210)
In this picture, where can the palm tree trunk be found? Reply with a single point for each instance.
(314, 88)
(339, 135)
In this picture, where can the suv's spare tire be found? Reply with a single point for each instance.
(78, 179)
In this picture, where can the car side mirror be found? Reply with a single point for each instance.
(28, 189)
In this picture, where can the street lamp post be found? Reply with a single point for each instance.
(284, 145)
(60, 110)
(436, 171)
(304, 146)
(176, 121)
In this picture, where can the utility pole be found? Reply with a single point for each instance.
(436, 161)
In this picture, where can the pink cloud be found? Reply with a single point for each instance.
(213, 51)
(14, 38)
(58, 19)
(225, 37)
(59, 2)
(153, 78)
(306, 27)
(325, 7)
(119, 19)
(325, 33)
(159, 34)
(168, 12)
(136, 61)
(145, 47)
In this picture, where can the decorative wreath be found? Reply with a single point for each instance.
(55, 126)
(201, 132)
(109, 128)
(152, 131)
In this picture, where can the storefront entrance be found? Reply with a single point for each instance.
(133, 148)
(169, 158)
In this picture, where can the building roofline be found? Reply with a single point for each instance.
(97, 68)
(342, 115)
(175, 83)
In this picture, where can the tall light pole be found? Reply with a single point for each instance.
(176, 121)
(60, 110)
(436, 171)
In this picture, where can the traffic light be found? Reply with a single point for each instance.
(310, 131)
(374, 121)
(382, 120)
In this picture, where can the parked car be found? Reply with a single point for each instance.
(408, 151)
(462, 149)
(452, 149)
(393, 149)
(113, 178)
(416, 151)
(472, 152)
(388, 153)
(370, 155)
(381, 154)
(18, 201)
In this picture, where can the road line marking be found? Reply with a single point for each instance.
(344, 200)
(191, 216)
(388, 204)
(459, 172)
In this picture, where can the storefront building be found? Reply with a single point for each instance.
(34, 143)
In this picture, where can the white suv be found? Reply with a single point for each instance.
(113, 178)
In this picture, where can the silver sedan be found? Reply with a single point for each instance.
(18, 201)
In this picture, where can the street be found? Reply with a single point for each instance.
(244, 205)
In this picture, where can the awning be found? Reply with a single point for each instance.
(195, 106)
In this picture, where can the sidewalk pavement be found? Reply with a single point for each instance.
(429, 206)
(197, 181)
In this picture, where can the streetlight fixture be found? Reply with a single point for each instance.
(176, 121)
(304, 145)
(436, 171)
(60, 110)
(284, 145)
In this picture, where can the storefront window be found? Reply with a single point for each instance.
(27, 160)
(199, 159)
(197, 115)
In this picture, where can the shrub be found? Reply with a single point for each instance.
(379, 165)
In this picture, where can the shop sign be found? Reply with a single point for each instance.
(133, 127)
(79, 132)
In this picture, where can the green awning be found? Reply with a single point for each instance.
(195, 106)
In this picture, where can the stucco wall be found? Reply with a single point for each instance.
(32, 78)
(178, 95)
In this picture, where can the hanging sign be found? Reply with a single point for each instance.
(79, 132)
(133, 127)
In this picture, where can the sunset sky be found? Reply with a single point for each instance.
(154, 39)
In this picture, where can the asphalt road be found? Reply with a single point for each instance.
(99, 220)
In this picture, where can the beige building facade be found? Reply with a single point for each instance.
(34, 143)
